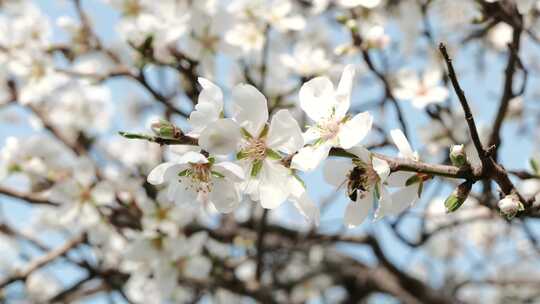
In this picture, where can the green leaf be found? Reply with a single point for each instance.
(245, 133)
(241, 154)
(534, 165)
(217, 174)
(420, 189)
(264, 131)
(299, 179)
(273, 154)
(186, 172)
(256, 168)
(412, 180)
(211, 160)
(377, 191)
(452, 203)
(133, 135)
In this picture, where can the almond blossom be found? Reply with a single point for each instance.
(333, 127)
(196, 178)
(365, 177)
(421, 90)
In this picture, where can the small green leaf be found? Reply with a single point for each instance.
(377, 191)
(264, 131)
(245, 133)
(299, 179)
(186, 172)
(217, 174)
(241, 154)
(272, 154)
(452, 203)
(256, 168)
(420, 189)
(534, 165)
(211, 160)
(412, 180)
(133, 135)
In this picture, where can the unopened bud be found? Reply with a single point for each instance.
(458, 197)
(165, 129)
(510, 205)
(458, 157)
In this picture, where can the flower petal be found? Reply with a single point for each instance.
(230, 170)
(308, 158)
(335, 171)
(273, 188)
(402, 144)
(399, 178)
(357, 212)
(403, 198)
(317, 98)
(249, 108)
(344, 91)
(354, 130)
(163, 172)
(386, 206)
(284, 133)
(362, 153)
(302, 201)
(210, 93)
(224, 195)
(381, 167)
(221, 137)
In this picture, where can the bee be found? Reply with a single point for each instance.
(355, 182)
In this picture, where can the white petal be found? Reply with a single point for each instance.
(356, 212)
(399, 178)
(386, 206)
(432, 77)
(302, 202)
(192, 157)
(402, 144)
(404, 198)
(224, 196)
(103, 193)
(250, 108)
(231, 171)
(204, 114)
(307, 208)
(309, 157)
(381, 167)
(363, 154)
(221, 137)
(284, 133)
(344, 90)
(210, 93)
(317, 98)
(312, 134)
(335, 171)
(273, 190)
(354, 130)
(163, 172)
(182, 192)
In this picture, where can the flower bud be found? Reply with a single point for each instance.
(165, 129)
(510, 205)
(458, 156)
(458, 197)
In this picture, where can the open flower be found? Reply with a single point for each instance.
(365, 177)
(194, 177)
(328, 107)
(261, 143)
(421, 91)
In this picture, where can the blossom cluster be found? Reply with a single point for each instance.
(246, 115)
